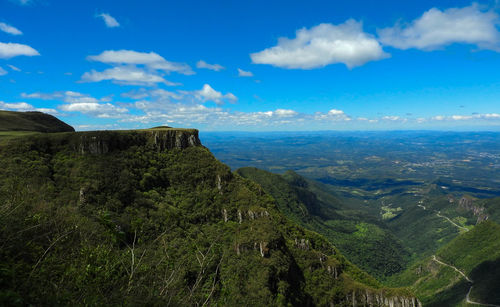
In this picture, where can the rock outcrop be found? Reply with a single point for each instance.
(467, 203)
(370, 298)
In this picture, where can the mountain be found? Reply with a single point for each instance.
(150, 217)
(465, 269)
(32, 121)
(361, 237)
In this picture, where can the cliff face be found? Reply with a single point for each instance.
(362, 298)
(467, 203)
(102, 142)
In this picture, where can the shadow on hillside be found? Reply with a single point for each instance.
(450, 297)
(486, 277)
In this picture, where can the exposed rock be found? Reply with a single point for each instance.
(82, 198)
(302, 244)
(264, 250)
(374, 298)
(169, 139)
(333, 271)
(467, 203)
(219, 184)
(102, 142)
(93, 145)
(224, 214)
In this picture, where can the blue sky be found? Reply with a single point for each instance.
(254, 65)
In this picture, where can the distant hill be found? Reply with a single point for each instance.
(32, 121)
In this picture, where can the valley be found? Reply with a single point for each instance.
(426, 189)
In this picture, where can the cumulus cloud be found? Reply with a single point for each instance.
(128, 75)
(187, 114)
(204, 65)
(322, 45)
(9, 29)
(207, 93)
(243, 73)
(23, 107)
(151, 60)
(102, 110)
(109, 20)
(3, 72)
(10, 50)
(66, 96)
(332, 115)
(79, 102)
(436, 28)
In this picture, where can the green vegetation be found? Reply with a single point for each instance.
(389, 213)
(150, 218)
(475, 253)
(32, 121)
(360, 237)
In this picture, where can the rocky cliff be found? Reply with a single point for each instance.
(101, 142)
(467, 203)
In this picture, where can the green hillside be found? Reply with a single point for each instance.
(31, 121)
(476, 254)
(362, 238)
(150, 217)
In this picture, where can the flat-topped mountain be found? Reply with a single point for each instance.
(151, 217)
(32, 121)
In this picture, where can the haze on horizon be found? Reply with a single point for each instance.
(254, 65)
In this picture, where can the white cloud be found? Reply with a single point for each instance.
(152, 60)
(79, 102)
(103, 110)
(205, 65)
(128, 75)
(14, 68)
(3, 72)
(461, 117)
(10, 50)
(18, 106)
(323, 45)
(23, 107)
(243, 73)
(9, 29)
(65, 96)
(436, 28)
(391, 118)
(186, 114)
(207, 93)
(332, 115)
(109, 20)
(285, 113)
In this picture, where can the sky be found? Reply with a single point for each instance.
(254, 65)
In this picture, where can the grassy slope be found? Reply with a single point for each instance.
(358, 235)
(476, 253)
(32, 121)
(139, 226)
